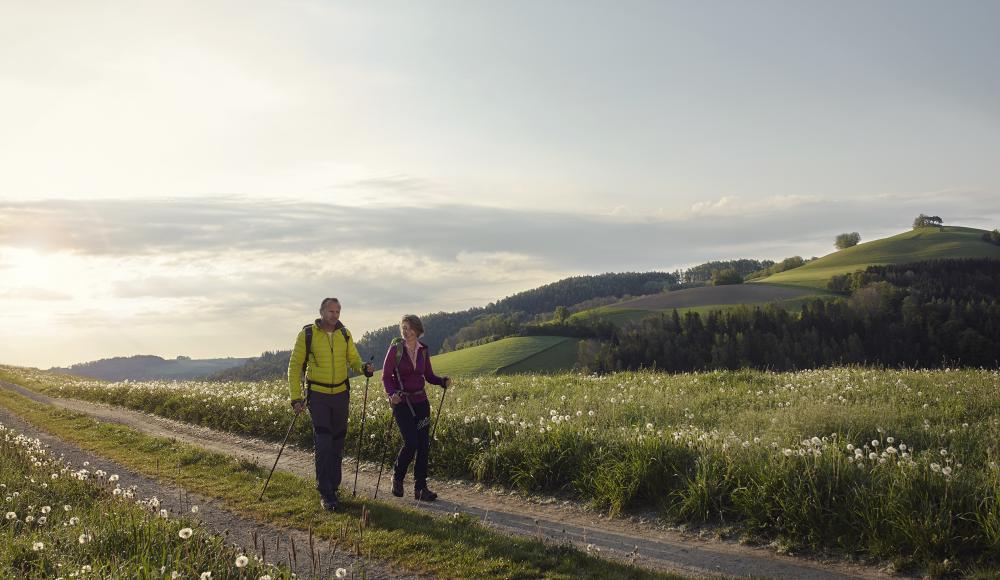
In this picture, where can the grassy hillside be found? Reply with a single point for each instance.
(517, 354)
(925, 243)
(702, 300)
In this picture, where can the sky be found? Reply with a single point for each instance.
(191, 178)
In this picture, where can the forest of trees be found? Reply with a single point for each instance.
(702, 274)
(927, 314)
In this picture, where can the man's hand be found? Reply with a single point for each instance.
(298, 406)
(368, 369)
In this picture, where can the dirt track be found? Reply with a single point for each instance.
(645, 543)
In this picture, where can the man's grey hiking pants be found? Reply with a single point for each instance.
(329, 419)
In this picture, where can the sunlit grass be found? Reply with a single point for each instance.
(886, 463)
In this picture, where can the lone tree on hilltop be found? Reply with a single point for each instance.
(845, 241)
(927, 220)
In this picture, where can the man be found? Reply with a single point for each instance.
(331, 351)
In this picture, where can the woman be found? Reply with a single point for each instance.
(407, 365)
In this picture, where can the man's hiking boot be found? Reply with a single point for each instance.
(329, 504)
(397, 488)
(424, 495)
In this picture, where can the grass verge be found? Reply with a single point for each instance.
(64, 522)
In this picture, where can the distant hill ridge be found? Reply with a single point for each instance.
(144, 367)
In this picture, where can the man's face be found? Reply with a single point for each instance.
(330, 313)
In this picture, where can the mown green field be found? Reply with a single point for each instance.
(925, 243)
(892, 464)
(490, 358)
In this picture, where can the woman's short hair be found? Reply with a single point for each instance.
(414, 322)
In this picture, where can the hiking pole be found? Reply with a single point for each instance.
(283, 441)
(361, 436)
(385, 451)
(444, 391)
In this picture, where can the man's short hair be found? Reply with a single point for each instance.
(326, 301)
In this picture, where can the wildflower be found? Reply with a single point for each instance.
(38, 546)
(242, 561)
(42, 520)
(164, 514)
(590, 413)
(113, 478)
(11, 516)
(46, 509)
(265, 577)
(944, 452)
(850, 447)
(206, 576)
(86, 568)
(85, 538)
(341, 573)
(935, 467)
(194, 509)
(476, 440)
(67, 507)
(890, 440)
(946, 470)
(74, 520)
(875, 443)
(185, 533)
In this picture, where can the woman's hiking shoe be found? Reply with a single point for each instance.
(424, 495)
(397, 488)
(329, 504)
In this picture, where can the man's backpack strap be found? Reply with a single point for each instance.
(305, 360)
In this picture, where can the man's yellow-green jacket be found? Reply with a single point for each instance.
(331, 354)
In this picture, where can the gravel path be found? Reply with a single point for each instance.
(637, 540)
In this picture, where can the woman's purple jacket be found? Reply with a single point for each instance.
(412, 375)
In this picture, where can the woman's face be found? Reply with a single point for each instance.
(408, 334)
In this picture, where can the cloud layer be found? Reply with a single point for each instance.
(223, 276)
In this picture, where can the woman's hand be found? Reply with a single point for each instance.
(447, 382)
(394, 399)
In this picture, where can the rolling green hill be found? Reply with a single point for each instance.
(511, 355)
(925, 243)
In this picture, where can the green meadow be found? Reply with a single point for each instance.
(886, 464)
